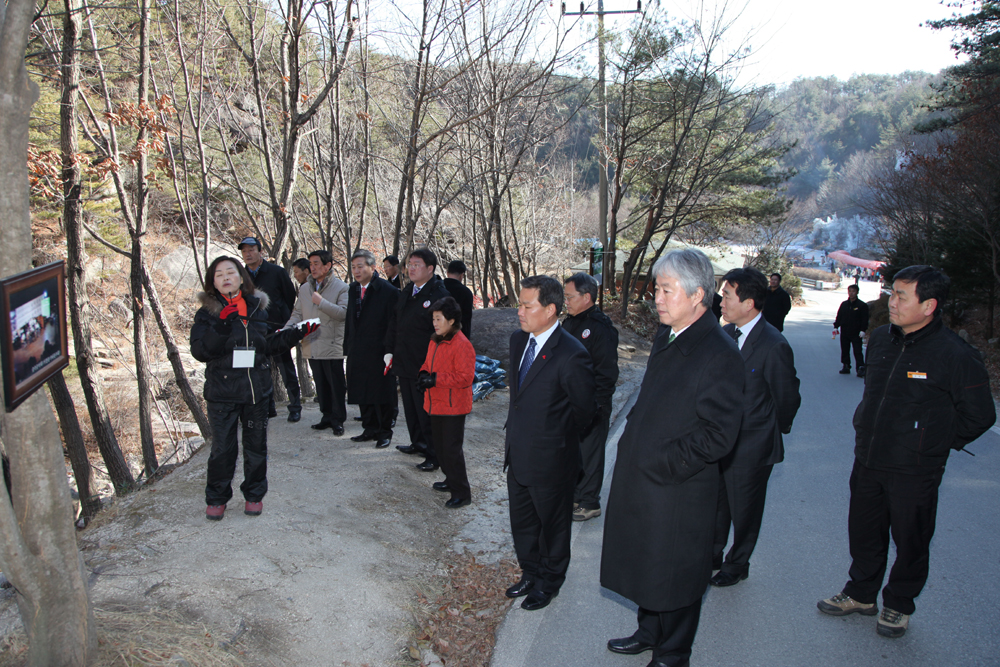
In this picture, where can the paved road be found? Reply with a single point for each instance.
(802, 556)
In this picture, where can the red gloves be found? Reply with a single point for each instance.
(228, 311)
(309, 328)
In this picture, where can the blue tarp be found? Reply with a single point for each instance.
(489, 377)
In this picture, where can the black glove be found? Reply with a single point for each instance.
(426, 380)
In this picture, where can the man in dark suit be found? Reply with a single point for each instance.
(406, 342)
(391, 267)
(551, 402)
(461, 293)
(771, 399)
(660, 516)
(370, 305)
(777, 304)
(852, 323)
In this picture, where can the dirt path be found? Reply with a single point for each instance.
(333, 571)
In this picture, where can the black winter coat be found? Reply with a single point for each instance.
(776, 307)
(463, 295)
(364, 343)
(411, 331)
(213, 342)
(274, 281)
(660, 517)
(598, 334)
(926, 393)
(852, 317)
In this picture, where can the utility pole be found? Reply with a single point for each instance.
(602, 219)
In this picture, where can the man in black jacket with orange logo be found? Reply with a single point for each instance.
(926, 392)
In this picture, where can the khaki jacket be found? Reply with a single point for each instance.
(328, 341)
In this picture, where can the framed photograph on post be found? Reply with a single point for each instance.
(34, 341)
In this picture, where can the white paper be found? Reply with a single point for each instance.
(243, 358)
(303, 323)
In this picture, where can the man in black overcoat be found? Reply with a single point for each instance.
(777, 304)
(461, 293)
(370, 305)
(406, 342)
(274, 281)
(771, 395)
(551, 402)
(660, 516)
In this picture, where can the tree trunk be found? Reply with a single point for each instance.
(90, 504)
(38, 552)
(78, 302)
(137, 231)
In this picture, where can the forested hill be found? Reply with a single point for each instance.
(832, 120)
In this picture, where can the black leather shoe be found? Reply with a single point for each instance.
(322, 425)
(382, 444)
(338, 429)
(427, 466)
(846, 370)
(722, 579)
(272, 413)
(294, 416)
(409, 449)
(861, 371)
(364, 437)
(455, 503)
(441, 486)
(657, 663)
(537, 599)
(628, 646)
(520, 588)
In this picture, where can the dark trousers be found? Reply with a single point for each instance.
(592, 445)
(331, 387)
(375, 419)
(742, 492)
(670, 633)
(449, 432)
(541, 519)
(289, 378)
(224, 419)
(418, 422)
(905, 506)
(847, 341)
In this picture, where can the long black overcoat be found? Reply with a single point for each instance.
(364, 343)
(660, 520)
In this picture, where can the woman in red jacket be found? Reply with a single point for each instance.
(446, 378)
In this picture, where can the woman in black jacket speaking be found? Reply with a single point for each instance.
(231, 335)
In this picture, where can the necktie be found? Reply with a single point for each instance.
(363, 288)
(529, 357)
(415, 290)
(736, 334)
(671, 338)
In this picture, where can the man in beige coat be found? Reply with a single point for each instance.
(324, 296)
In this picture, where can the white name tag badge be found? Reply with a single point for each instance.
(243, 357)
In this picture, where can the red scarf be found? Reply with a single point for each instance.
(241, 304)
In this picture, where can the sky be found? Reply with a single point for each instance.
(807, 38)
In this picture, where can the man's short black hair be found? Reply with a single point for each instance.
(853, 287)
(584, 284)
(778, 275)
(931, 283)
(750, 284)
(324, 256)
(549, 290)
(392, 259)
(450, 309)
(457, 267)
(301, 263)
(426, 256)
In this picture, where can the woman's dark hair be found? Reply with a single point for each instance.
(247, 288)
(450, 310)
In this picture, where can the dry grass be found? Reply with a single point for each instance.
(641, 319)
(459, 623)
(143, 638)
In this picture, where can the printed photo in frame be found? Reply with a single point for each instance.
(34, 341)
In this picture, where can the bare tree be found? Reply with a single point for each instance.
(38, 553)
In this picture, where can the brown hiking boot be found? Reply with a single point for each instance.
(842, 604)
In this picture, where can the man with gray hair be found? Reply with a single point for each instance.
(660, 522)
(370, 305)
(597, 332)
